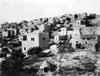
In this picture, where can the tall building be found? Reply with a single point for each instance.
(35, 39)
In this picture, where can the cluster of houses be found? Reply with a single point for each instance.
(48, 33)
(40, 32)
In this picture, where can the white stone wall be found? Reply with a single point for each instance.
(62, 32)
(5, 33)
(29, 43)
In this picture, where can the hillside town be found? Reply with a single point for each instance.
(66, 45)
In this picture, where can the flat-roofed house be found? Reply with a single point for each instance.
(35, 39)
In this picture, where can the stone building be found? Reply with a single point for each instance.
(43, 28)
(60, 34)
(35, 39)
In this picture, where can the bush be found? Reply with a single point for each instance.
(34, 51)
(13, 64)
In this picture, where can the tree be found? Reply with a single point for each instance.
(65, 70)
(13, 64)
(34, 51)
(4, 52)
(33, 70)
(89, 67)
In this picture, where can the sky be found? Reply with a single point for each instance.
(18, 10)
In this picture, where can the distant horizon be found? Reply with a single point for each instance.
(47, 17)
(19, 10)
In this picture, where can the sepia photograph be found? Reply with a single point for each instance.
(49, 37)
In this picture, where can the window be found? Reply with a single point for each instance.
(76, 41)
(78, 22)
(76, 16)
(32, 39)
(59, 30)
(24, 37)
(63, 30)
(44, 38)
(93, 37)
(26, 29)
(24, 48)
(83, 38)
(71, 25)
(88, 38)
